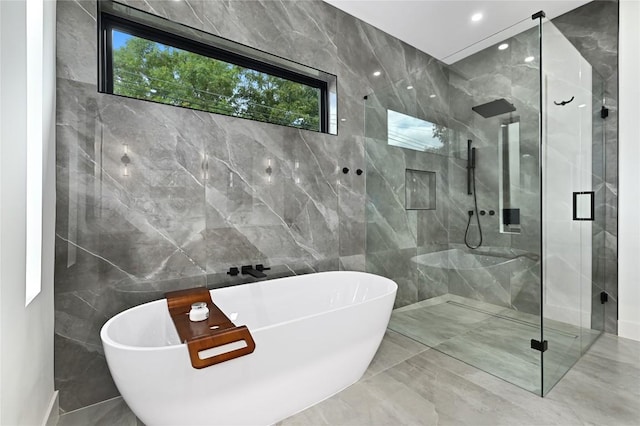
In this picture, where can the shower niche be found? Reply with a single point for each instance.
(420, 190)
(524, 304)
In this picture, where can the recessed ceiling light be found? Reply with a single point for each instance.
(409, 87)
(432, 96)
(582, 106)
(503, 46)
(529, 59)
(343, 119)
(377, 73)
(476, 17)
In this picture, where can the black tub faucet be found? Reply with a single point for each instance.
(248, 269)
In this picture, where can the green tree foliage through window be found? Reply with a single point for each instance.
(145, 69)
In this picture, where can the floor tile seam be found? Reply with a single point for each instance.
(457, 371)
(397, 363)
(462, 376)
(427, 348)
(92, 406)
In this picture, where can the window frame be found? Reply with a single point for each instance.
(108, 22)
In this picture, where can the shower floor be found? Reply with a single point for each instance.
(494, 339)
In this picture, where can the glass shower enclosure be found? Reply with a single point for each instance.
(485, 203)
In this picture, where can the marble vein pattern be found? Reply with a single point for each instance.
(196, 199)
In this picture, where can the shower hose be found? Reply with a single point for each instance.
(475, 204)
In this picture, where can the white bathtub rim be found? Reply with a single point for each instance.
(111, 343)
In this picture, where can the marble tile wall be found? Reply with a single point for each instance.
(124, 240)
(395, 232)
(392, 231)
(483, 77)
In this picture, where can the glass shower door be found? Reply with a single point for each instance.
(572, 186)
(479, 305)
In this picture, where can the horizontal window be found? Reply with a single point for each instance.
(410, 132)
(149, 63)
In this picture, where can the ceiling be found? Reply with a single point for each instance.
(444, 28)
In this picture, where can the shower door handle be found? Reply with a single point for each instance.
(583, 208)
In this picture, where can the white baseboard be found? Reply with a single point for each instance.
(52, 415)
(629, 329)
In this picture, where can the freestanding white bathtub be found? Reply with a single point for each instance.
(315, 335)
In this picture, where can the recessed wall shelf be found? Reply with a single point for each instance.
(420, 190)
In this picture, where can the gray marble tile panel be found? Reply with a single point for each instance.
(353, 263)
(525, 288)
(81, 374)
(75, 51)
(396, 265)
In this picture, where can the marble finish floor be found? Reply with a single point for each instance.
(494, 339)
(409, 383)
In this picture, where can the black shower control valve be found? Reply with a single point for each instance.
(345, 170)
(233, 271)
(261, 267)
(492, 212)
(359, 172)
(482, 212)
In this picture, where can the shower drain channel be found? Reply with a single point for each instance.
(515, 320)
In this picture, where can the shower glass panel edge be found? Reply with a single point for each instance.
(572, 132)
(479, 306)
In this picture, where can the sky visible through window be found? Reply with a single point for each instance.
(120, 39)
(409, 132)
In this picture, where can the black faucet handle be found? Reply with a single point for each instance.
(233, 271)
(261, 267)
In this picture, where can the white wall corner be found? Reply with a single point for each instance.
(629, 173)
(629, 329)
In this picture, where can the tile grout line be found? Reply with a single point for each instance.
(426, 348)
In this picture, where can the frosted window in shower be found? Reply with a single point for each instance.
(409, 132)
(420, 190)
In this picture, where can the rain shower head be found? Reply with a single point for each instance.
(493, 108)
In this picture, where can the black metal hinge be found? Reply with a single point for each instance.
(604, 297)
(539, 346)
(538, 15)
(604, 112)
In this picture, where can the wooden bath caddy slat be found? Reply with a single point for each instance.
(217, 330)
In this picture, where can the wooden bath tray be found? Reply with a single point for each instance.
(216, 331)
